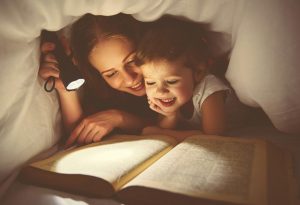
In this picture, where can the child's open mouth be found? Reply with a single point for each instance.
(167, 102)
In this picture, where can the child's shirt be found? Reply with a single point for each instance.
(209, 85)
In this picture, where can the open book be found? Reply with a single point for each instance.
(156, 170)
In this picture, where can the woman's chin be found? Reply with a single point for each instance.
(138, 93)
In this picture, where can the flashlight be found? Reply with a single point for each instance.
(69, 73)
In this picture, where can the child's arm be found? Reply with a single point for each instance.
(165, 120)
(213, 113)
(169, 121)
(179, 135)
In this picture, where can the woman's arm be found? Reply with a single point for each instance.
(94, 127)
(71, 109)
(69, 101)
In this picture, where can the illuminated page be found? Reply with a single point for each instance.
(219, 168)
(111, 160)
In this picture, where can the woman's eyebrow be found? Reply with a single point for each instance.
(108, 70)
(126, 57)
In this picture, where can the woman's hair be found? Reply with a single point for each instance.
(88, 31)
(170, 38)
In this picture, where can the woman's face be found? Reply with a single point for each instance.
(114, 59)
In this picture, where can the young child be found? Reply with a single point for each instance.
(174, 58)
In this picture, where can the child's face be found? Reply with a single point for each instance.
(114, 59)
(168, 84)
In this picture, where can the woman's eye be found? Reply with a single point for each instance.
(109, 75)
(130, 63)
(171, 82)
(150, 83)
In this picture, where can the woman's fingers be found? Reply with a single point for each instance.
(48, 70)
(65, 43)
(85, 132)
(89, 138)
(98, 136)
(74, 135)
(49, 58)
(47, 47)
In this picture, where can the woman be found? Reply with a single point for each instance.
(104, 51)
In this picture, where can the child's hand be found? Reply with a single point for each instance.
(153, 104)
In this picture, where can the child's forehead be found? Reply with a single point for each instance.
(162, 67)
(165, 63)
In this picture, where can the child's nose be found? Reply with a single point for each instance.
(161, 89)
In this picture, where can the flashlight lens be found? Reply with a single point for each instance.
(75, 84)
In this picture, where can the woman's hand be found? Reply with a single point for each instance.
(48, 66)
(93, 128)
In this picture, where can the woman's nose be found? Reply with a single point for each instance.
(130, 77)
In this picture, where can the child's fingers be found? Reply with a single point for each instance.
(156, 101)
(155, 107)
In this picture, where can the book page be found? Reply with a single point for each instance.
(220, 169)
(110, 160)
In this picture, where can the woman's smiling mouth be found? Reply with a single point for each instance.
(138, 86)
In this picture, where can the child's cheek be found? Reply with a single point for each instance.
(149, 93)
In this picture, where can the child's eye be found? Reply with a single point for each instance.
(150, 83)
(111, 74)
(171, 82)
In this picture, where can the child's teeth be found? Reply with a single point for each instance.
(167, 100)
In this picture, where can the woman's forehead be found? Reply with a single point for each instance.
(110, 52)
(113, 42)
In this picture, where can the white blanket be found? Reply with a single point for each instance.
(264, 65)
